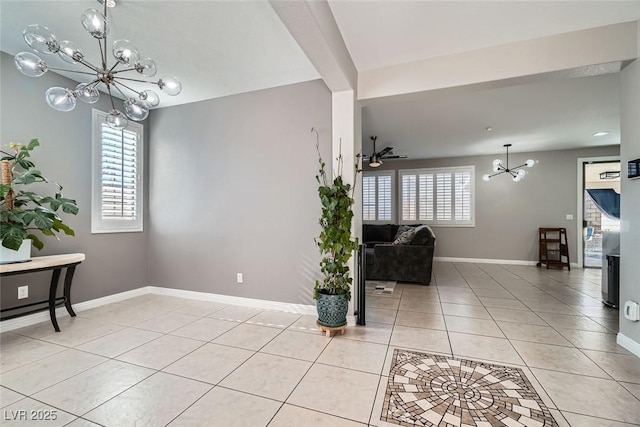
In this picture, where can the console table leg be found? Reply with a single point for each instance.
(68, 277)
(53, 288)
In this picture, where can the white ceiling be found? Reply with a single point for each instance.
(219, 48)
(548, 115)
(216, 48)
(390, 32)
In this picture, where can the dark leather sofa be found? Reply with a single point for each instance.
(409, 262)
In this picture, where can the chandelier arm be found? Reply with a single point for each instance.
(507, 168)
(497, 173)
(116, 84)
(104, 61)
(121, 93)
(122, 71)
(113, 105)
(70, 71)
(89, 65)
(114, 66)
(137, 80)
(103, 57)
(518, 167)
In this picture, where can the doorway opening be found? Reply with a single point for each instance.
(600, 208)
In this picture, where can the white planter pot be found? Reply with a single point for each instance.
(8, 256)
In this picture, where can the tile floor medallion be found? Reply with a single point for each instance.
(432, 390)
(379, 287)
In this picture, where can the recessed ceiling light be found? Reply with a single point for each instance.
(602, 133)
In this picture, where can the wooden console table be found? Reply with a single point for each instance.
(44, 263)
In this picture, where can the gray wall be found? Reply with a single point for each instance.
(115, 262)
(233, 190)
(630, 200)
(508, 214)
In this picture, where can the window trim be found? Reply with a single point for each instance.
(392, 174)
(98, 224)
(434, 222)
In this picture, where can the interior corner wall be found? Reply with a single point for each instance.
(508, 214)
(114, 262)
(233, 190)
(630, 196)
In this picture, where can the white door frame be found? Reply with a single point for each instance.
(580, 209)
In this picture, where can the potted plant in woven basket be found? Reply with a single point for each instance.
(335, 242)
(24, 212)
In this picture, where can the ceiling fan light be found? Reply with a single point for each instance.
(375, 162)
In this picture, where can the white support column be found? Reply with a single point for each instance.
(347, 140)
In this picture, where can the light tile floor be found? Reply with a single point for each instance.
(156, 361)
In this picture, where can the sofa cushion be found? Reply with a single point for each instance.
(378, 233)
(423, 235)
(402, 229)
(405, 238)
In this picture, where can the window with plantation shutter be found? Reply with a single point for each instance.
(377, 197)
(438, 196)
(117, 177)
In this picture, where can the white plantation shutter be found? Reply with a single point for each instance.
(409, 202)
(443, 194)
(119, 174)
(117, 171)
(425, 196)
(463, 196)
(439, 196)
(377, 196)
(384, 197)
(368, 198)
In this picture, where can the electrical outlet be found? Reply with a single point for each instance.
(569, 217)
(23, 292)
(239, 277)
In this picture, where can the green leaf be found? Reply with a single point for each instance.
(33, 144)
(35, 241)
(62, 226)
(4, 190)
(12, 236)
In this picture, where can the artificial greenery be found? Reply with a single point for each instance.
(22, 212)
(335, 242)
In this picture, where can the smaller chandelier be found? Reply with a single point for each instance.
(128, 59)
(517, 173)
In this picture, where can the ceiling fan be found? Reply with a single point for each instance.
(375, 159)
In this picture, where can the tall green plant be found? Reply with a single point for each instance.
(23, 212)
(335, 241)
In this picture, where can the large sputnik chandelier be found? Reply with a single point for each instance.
(517, 173)
(128, 59)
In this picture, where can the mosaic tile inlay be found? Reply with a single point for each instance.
(432, 390)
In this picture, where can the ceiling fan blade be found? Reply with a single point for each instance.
(403, 156)
(384, 151)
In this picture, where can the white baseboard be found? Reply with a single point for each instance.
(628, 343)
(492, 261)
(32, 319)
(227, 299)
(485, 260)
